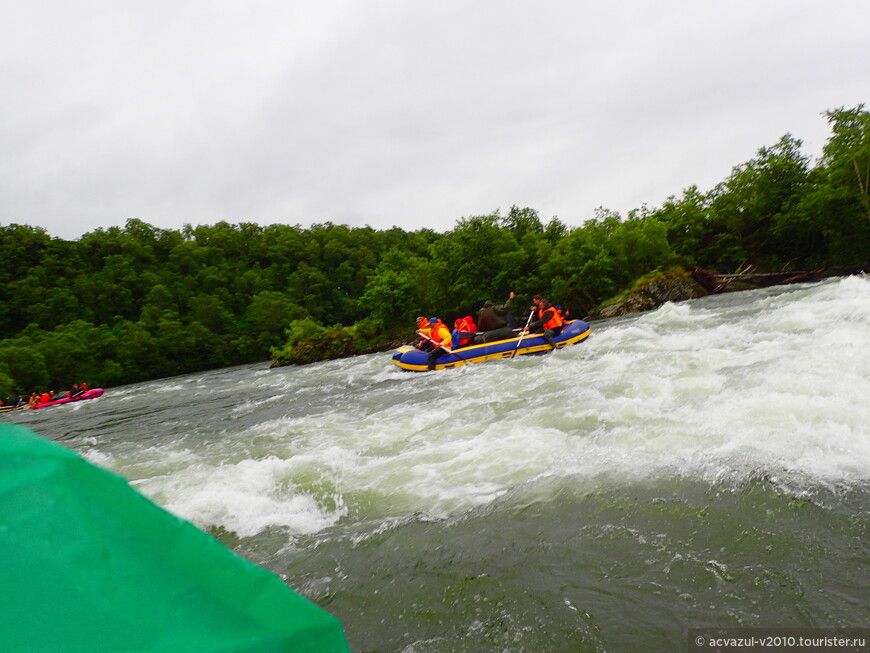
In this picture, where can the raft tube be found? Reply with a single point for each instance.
(89, 564)
(88, 394)
(412, 359)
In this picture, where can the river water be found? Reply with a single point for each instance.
(704, 464)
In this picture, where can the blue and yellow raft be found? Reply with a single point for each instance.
(414, 360)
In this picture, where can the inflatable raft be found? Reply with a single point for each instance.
(8, 408)
(414, 360)
(88, 394)
(89, 564)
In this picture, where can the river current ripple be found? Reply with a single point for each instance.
(704, 464)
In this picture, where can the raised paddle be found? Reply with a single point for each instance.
(523, 334)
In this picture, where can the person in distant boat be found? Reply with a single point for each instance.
(548, 320)
(441, 340)
(496, 322)
(464, 330)
(13, 402)
(423, 331)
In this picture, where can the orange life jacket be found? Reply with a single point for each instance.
(554, 322)
(441, 334)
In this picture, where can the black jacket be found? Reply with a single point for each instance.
(541, 321)
(493, 317)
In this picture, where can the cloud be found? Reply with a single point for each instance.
(391, 113)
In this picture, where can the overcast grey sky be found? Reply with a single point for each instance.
(402, 113)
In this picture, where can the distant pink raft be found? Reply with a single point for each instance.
(88, 394)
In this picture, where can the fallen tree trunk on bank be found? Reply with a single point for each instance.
(714, 282)
(679, 285)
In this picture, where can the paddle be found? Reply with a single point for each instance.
(437, 346)
(523, 334)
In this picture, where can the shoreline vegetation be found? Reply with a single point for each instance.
(136, 303)
(677, 285)
(647, 294)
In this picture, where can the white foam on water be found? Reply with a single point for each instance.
(169, 387)
(245, 497)
(99, 458)
(774, 382)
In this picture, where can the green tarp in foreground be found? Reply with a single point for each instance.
(89, 564)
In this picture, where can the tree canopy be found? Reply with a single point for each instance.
(132, 303)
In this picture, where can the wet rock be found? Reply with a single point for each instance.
(671, 286)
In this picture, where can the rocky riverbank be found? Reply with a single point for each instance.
(681, 284)
(648, 294)
(310, 342)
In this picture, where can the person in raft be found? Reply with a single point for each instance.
(548, 320)
(564, 313)
(441, 340)
(13, 402)
(464, 330)
(424, 332)
(496, 322)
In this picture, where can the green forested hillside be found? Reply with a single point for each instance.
(136, 302)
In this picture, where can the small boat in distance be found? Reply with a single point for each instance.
(87, 394)
(8, 408)
(414, 360)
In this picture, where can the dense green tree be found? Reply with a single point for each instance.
(137, 353)
(269, 314)
(21, 248)
(686, 221)
(846, 155)
(25, 364)
(7, 384)
(582, 267)
(308, 341)
(56, 306)
(398, 290)
(753, 198)
(78, 352)
(126, 304)
(210, 312)
(479, 259)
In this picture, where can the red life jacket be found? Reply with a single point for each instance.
(465, 325)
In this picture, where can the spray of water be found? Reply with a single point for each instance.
(773, 382)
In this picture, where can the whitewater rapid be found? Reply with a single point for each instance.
(771, 383)
(704, 464)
